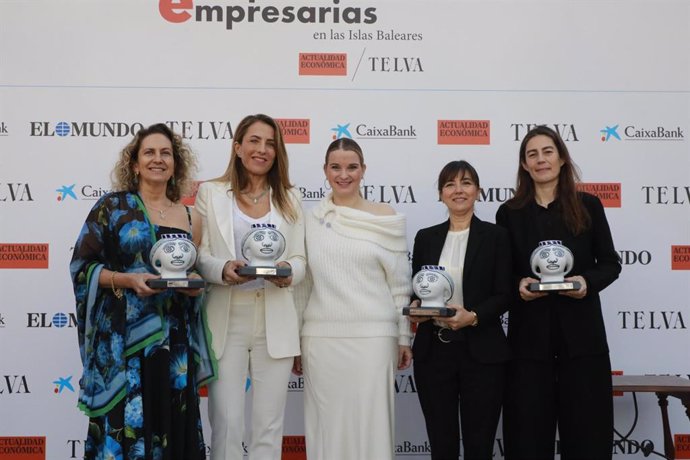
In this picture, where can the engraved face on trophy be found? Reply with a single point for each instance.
(263, 245)
(551, 261)
(433, 286)
(173, 255)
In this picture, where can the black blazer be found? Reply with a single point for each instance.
(486, 285)
(579, 322)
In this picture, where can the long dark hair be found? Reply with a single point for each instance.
(278, 177)
(574, 213)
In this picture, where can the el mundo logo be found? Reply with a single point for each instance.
(57, 320)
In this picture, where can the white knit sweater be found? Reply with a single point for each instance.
(360, 271)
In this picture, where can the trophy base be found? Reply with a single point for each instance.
(554, 286)
(259, 272)
(176, 283)
(434, 312)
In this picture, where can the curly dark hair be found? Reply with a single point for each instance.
(123, 176)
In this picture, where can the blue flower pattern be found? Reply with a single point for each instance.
(120, 432)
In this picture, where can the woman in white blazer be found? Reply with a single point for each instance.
(253, 322)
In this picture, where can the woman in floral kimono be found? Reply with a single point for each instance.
(145, 351)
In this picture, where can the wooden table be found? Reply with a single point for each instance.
(664, 386)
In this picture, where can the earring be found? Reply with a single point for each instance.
(172, 181)
(326, 184)
(136, 177)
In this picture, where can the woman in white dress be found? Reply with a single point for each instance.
(354, 335)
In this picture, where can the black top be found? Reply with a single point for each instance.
(485, 287)
(557, 324)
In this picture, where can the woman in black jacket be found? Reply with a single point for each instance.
(463, 358)
(560, 375)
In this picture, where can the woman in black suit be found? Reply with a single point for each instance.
(463, 358)
(560, 375)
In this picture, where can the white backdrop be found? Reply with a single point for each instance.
(77, 77)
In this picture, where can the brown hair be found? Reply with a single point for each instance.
(123, 176)
(345, 143)
(574, 213)
(278, 177)
(454, 169)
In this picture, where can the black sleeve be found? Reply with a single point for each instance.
(607, 265)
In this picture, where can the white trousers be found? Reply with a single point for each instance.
(349, 391)
(246, 355)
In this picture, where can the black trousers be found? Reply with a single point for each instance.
(571, 394)
(448, 379)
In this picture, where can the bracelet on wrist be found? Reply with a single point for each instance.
(117, 292)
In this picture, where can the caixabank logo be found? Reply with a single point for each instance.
(24, 255)
(614, 133)
(313, 194)
(22, 447)
(250, 12)
(295, 384)
(63, 384)
(608, 192)
(187, 129)
(74, 192)
(375, 131)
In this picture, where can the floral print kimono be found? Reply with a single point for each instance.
(143, 357)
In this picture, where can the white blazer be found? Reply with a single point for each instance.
(215, 204)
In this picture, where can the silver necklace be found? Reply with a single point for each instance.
(161, 212)
(255, 199)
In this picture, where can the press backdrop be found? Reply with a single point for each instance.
(417, 84)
